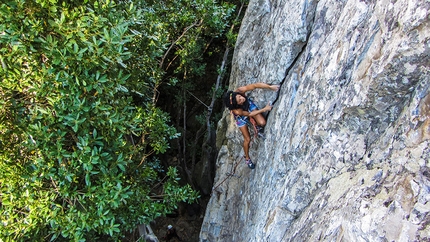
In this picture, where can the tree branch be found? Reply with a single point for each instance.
(195, 24)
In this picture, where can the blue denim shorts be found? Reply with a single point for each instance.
(241, 120)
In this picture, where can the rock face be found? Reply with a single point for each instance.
(347, 151)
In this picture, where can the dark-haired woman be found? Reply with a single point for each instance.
(243, 108)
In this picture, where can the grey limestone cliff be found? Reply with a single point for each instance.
(347, 151)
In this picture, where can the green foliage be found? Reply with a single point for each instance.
(187, 27)
(70, 163)
(198, 33)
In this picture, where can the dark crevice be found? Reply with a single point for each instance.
(299, 54)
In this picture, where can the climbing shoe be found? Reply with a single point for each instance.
(249, 163)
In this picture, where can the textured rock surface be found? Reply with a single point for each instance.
(347, 154)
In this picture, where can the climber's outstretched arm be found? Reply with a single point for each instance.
(253, 86)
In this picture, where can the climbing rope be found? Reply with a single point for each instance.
(229, 174)
(250, 122)
(232, 171)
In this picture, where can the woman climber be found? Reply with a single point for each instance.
(243, 109)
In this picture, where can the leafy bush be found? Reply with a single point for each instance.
(74, 144)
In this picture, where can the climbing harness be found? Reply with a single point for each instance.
(250, 121)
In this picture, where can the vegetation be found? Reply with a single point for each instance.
(195, 70)
(79, 122)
